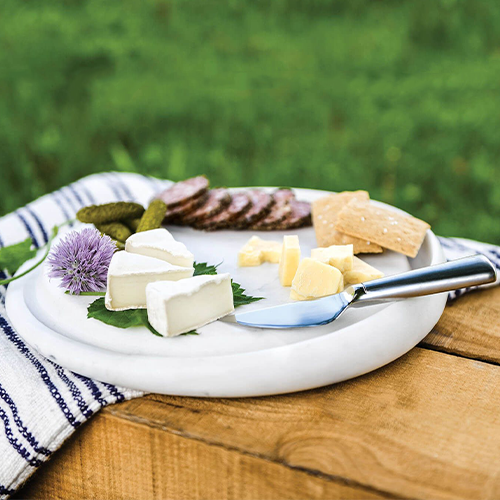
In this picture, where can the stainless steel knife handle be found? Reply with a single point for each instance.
(460, 273)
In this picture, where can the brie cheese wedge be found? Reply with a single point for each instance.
(160, 244)
(181, 306)
(128, 275)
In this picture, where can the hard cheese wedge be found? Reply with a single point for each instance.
(315, 279)
(160, 244)
(256, 251)
(182, 306)
(289, 261)
(361, 272)
(128, 275)
(339, 256)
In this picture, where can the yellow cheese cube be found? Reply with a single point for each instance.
(256, 251)
(361, 272)
(315, 279)
(289, 261)
(296, 296)
(339, 256)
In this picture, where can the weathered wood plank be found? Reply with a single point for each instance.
(426, 426)
(116, 458)
(470, 327)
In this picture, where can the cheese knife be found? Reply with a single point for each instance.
(460, 273)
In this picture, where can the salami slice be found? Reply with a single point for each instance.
(217, 200)
(283, 195)
(183, 191)
(261, 206)
(182, 210)
(299, 215)
(240, 203)
(279, 212)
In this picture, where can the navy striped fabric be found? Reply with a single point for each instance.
(41, 403)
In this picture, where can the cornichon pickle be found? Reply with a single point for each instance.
(133, 224)
(116, 230)
(153, 216)
(110, 212)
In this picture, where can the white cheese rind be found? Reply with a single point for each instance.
(160, 244)
(129, 274)
(182, 306)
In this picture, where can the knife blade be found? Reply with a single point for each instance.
(465, 272)
(297, 314)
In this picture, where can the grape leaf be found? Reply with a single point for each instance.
(14, 256)
(120, 319)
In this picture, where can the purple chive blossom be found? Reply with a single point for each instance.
(81, 260)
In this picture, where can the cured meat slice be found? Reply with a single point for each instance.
(183, 191)
(217, 200)
(279, 212)
(283, 195)
(299, 215)
(261, 206)
(240, 203)
(182, 210)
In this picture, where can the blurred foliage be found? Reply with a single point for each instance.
(401, 98)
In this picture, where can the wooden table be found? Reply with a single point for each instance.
(426, 426)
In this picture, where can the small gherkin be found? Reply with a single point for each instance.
(133, 224)
(153, 216)
(116, 230)
(110, 212)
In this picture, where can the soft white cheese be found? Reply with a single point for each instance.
(128, 275)
(160, 244)
(181, 306)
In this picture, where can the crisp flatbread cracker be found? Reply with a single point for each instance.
(388, 228)
(325, 211)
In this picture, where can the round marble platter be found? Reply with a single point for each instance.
(226, 359)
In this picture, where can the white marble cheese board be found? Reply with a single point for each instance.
(227, 360)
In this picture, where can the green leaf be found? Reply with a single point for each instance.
(239, 297)
(192, 332)
(47, 245)
(120, 319)
(203, 268)
(91, 294)
(14, 256)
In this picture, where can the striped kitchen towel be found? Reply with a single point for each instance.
(41, 404)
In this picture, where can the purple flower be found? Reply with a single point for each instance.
(81, 260)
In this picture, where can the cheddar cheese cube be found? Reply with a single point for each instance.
(316, 279)
(361, 272)
(256, 251)
(296, 296)
(339, 256)
(289, 261)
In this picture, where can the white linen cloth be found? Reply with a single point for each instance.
(41, 403)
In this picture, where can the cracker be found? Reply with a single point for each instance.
(387, 228)
(325, 211)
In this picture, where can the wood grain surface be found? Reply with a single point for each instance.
(470, 327)
(426, 426)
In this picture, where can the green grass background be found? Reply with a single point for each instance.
(401, 98)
